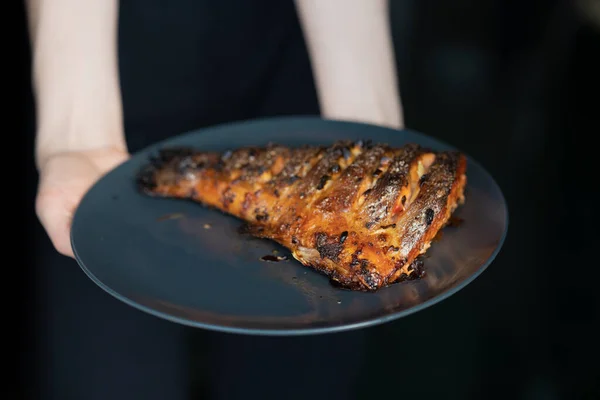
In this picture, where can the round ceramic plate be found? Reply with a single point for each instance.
(189, 264)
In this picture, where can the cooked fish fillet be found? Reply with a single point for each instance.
(358, 212)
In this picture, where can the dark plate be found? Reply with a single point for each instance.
(185, 263)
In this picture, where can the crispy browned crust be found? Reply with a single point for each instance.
(357, 212)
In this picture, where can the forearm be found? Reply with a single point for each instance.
(352, 56)
(75, 75)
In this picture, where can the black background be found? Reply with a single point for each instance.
(514, 84)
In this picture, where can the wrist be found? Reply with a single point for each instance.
(389, 114)
(50, 143)
(370, 101)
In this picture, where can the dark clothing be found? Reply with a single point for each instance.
(189, 64)
(185, 65)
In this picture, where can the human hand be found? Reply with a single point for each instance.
(64, 179)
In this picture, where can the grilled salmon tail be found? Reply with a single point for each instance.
(175, 172)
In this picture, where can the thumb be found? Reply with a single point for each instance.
(55, 212)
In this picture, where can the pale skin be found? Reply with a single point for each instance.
(80, 134)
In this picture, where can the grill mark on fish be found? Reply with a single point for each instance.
(429, 204)
(343, 191)
(382, 200)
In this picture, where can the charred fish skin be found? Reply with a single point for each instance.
(360, 213)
